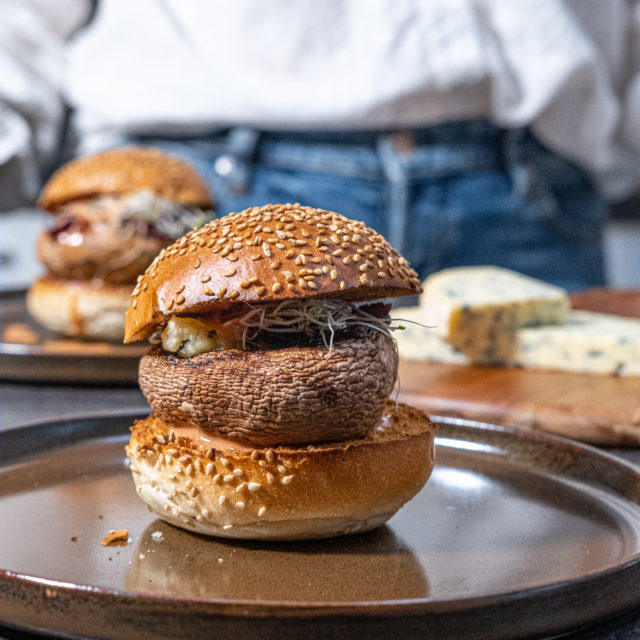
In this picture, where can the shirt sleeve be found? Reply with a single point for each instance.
(33, 35)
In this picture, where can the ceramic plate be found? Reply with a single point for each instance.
(516, 534)
(29, 352)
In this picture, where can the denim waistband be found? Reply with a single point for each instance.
(465, 132)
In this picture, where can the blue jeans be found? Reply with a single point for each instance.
(456, 194)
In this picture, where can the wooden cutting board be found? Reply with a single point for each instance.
(600, 409)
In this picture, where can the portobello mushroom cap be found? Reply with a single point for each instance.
(292, 396)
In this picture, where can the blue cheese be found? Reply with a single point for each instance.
(416, 341)
(478, 310)
(588, 342)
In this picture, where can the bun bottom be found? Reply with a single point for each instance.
(80, 308)
(221, 488)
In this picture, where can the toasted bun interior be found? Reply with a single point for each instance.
(80, 308)
(126, 170)
(221, 488)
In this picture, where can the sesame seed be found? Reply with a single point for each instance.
(281, 468)
(240, 504)
(216, 478)
(241, 487)
(222, 500)
(253, 486)
(209, 469)
(363, 267)
(382, 274)
(244, 283)
(227, 527)
(275, 264)
(172, 452)
(269, 455)
(205, 513)
(234, 294)
(161, 439)
(205, 279)
(184, 459)
(228, 478)
(356, 257)
(180, 300)
(287, 479)
(209, 292)
(346, 260)
(261, 291)
(225, 462)
(276, 287)
(238, 472)
(231, 272)
(262, 511)
(270, 477)
(312, 285)
(170, 305)
(334, 274)
(221, 292)
(197, 263)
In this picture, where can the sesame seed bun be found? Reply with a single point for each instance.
(125, 170)
(83, 308)
(284, 493)
(293, 396)
(266, 254)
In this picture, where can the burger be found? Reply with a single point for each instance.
(114, 211)
(269, 379)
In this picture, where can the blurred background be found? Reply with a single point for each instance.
(499, 132)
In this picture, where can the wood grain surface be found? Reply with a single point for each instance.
(600, 409)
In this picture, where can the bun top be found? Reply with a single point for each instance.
(266, 254)
(122, 171)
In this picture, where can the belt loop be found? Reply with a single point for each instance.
(235, 163)
(398, 183)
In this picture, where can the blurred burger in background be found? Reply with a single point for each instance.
(114, 212)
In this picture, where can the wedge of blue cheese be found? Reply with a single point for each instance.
(588, 342)
(478, 310)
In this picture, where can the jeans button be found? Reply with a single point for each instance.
(224, 165)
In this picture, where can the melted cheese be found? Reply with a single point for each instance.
(188, 337)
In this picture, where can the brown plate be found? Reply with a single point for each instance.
(28, 352)
(512, 536)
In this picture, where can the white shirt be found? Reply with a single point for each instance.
(570, 69)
